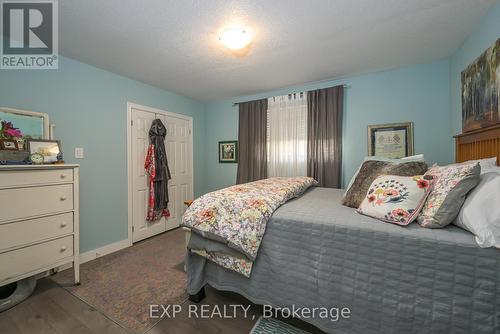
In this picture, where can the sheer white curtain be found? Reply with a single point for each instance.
(287, 135)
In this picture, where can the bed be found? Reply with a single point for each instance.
(318, 253)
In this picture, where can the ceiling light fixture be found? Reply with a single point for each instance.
(235, 38)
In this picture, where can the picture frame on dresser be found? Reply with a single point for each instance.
(49, 149)
(8, 145)
(39, 225)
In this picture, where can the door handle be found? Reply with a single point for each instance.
(63, 198)
(63, 249)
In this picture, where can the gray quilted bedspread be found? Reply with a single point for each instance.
(317, 253)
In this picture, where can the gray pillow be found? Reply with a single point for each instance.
(372, 169)
(451, 184)
(418, 157)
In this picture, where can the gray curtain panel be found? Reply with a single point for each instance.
(252, 141)
(324, 135)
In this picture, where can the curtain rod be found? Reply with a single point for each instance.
(236, 103)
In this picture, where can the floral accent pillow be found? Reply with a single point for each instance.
(368, 172)
(452, 183)
(395, 199)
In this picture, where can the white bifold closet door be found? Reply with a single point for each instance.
(178, 144)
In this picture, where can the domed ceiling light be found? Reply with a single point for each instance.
(235, 38)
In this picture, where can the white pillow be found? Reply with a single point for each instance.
(494, 169)
(418, 157)
(480, 213)
(488, 165)
(395, 199)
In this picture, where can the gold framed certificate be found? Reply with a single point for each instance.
(393, 141)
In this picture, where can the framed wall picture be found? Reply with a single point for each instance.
(8, 144)
(228, 151)
(393, 141)
(49, 149)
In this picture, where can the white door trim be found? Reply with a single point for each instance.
(131, 106)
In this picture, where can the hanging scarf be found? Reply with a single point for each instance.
(156, 166)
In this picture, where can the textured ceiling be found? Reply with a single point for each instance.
(173, 44)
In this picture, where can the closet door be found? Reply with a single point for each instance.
(178, 145)
(141, 228)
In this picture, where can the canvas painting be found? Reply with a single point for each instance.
(481, 90)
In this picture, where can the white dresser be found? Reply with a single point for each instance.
(39, 220)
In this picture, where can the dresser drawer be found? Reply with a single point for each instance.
(33, 230)
(28, 259)
(35, 177)
(29, 202)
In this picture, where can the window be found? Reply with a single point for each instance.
(287, 135)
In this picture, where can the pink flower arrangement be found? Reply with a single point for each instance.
(13, 133)
(8, 131)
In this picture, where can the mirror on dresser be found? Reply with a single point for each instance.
(16, 128)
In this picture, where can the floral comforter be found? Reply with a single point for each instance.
(237, 216)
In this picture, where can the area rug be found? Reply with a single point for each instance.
(122, 285)
(273, 326)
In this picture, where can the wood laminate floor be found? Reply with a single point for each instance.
(53, 310)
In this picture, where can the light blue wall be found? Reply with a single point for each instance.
(482, 38)
(420, 94)
(89, 107)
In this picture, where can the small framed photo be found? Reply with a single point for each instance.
(8, 144)
(50, 149)
(228, 151)
(393, 141)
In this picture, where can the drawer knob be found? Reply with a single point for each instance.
(63, 225)
(63, 198)
(63, 248)
(63, 176)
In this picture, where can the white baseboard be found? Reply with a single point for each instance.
(105, 250)
(95, 253)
